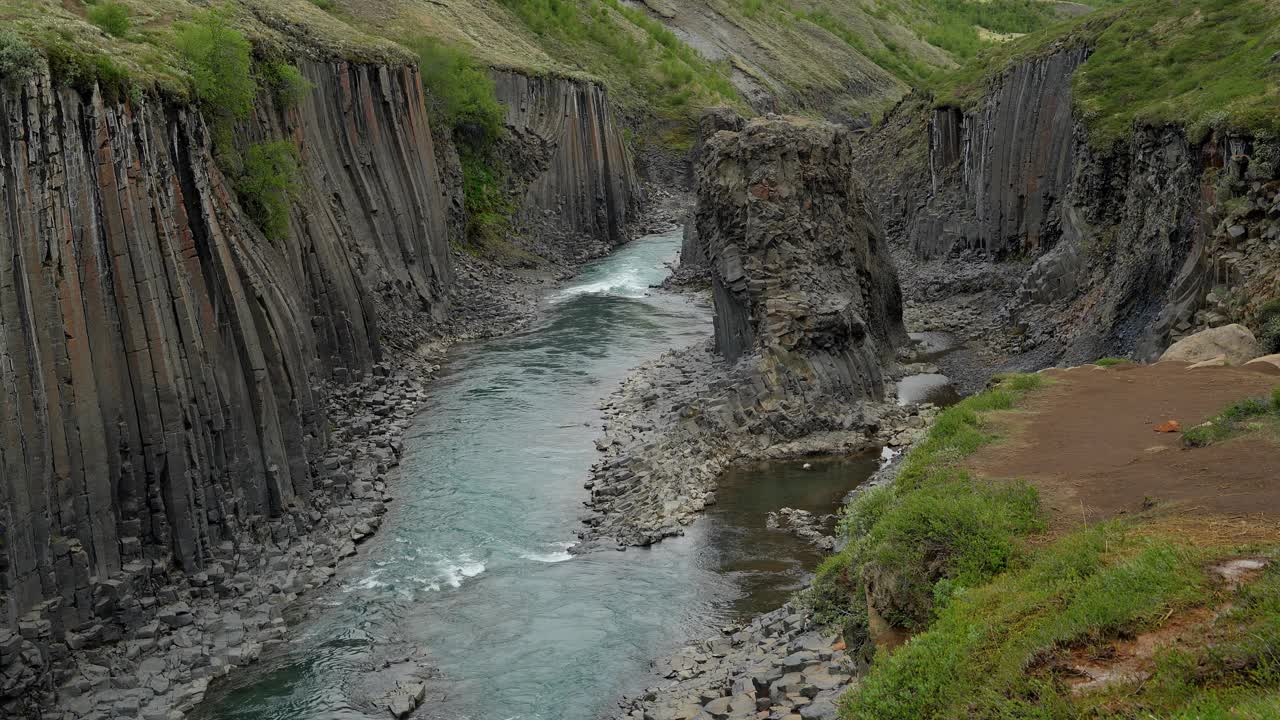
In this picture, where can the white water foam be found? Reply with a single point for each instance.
(629, 282)
(551, 557)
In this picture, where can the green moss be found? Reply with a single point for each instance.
(269, 185)
(112, 17)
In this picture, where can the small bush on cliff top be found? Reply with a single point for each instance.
(287, 83)
(112, 17)
(18, 59)
(220, 62)
(269, 186)
(462, 92)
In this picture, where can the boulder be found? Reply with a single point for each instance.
(1266, 363)
(1234, 342)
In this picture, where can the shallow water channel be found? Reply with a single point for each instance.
(472, 561)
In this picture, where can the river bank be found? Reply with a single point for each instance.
(193, 629)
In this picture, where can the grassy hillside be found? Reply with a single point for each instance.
(668, 58)
(1020, 605)
(1203, 64)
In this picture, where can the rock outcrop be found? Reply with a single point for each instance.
(1233, 344)
(807, 314)
(800, 272)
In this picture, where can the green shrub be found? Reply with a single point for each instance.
(269, 185)
(1109, 361)
(462, 92)
(18, 59)
(112, 17)
(287, 84)
(219, 60)
(1232, 420)
(1270, 335)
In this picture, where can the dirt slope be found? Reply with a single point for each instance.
(1089, 443)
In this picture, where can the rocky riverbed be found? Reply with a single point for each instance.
(779, 666)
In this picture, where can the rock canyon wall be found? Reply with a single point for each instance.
(163, 363)
(1080, 250)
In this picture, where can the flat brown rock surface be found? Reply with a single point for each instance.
(1088, 443)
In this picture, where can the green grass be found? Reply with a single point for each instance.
(934, 531)
(638, 56)
(112, 17)
(991, 651)
(1238, 417)
(1111, 361)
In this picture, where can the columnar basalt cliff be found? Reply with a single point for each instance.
(799, 269)
(808, 314)
(160, 356)
(585, 184)
(162, 361)
(1077, 251)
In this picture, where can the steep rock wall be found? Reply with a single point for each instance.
(1009, 162)
(1076, 251)
(158, 355)
(587, 185)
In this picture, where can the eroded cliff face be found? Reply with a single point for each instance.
(1069, 251)
(583, 183)
(808, 316)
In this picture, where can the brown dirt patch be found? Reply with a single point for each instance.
(1088, 442)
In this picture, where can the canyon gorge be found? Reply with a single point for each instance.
(562, 360)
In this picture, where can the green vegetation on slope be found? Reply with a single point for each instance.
(934, 531)
(643, 60)
(1202, 64)
(1005, 649)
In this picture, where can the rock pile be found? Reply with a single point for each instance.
(804, 525)
(778, 667)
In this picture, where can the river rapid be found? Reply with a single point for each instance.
(472, 563)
